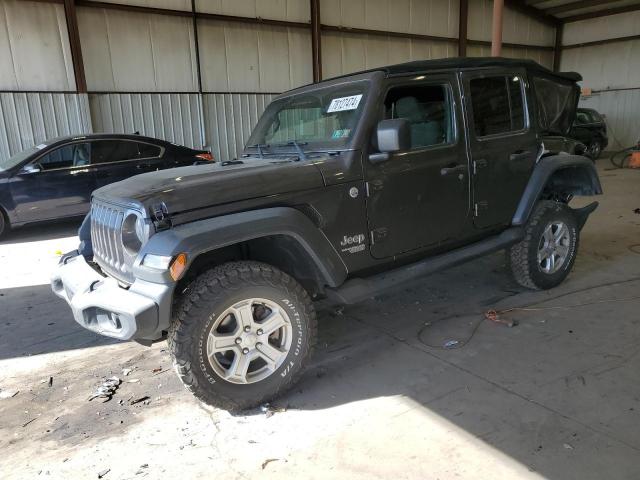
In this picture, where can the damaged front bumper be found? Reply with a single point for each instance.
(101, 305)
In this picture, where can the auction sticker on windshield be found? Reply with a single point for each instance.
(344, 103)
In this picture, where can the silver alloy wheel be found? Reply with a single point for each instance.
(249, 341)
(553, 248)
(594, 150)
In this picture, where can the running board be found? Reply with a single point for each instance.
(359, 289)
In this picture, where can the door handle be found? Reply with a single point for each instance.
(519, 155)
(452, 169)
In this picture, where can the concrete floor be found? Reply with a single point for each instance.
(555, 397)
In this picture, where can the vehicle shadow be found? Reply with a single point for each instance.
(34, 321)
(42, 231)
(534, 392)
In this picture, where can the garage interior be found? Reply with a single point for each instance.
(553, 397)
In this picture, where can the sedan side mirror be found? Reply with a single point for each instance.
(29, 169)
(394, 135)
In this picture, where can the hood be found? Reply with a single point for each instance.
(199, 186)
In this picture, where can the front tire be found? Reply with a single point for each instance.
(546, 255)
(241, 334)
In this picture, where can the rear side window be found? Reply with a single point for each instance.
(428, 110)
(497, 104)
(107, 151)
(148, 151)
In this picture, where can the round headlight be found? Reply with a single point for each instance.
(133, 233)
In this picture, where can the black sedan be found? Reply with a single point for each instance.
(590, 129)
(55, 179)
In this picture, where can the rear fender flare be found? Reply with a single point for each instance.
(579, 178)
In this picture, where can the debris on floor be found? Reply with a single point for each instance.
(268, 461)
(493, 316)
(126, 371)
(270, 410)
(103, 473)
(450, 343)
(146, 399)
(106, 389)
(637, 211)
(8, 393)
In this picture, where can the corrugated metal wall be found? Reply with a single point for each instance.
(142, 67)
(612, 69)
(137, 52)
(27, 119)
(253, 58)
(176, 117)
(34, 47)
(229, 119)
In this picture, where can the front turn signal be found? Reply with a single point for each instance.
(178, 266)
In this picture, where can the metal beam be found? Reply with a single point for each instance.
(74, 44)
(463, 22)
(601, 13)
(567, 7)
(557, 51)
(605, 41)
(496, 28)
(316, 40)
(522, 7)
(196, 45)
(189, 13)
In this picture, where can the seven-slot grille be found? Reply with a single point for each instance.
(106, 240)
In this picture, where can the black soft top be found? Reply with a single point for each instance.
(458, 63)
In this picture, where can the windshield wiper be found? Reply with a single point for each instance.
(293, 143)
(260, 146)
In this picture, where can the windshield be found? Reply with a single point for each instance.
(325, 118)
(6, 164)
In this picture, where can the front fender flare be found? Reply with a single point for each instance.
(211, 234)
(585, 181)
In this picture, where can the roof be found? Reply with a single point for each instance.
(458, 63)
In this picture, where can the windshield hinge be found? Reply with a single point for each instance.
(160, 215)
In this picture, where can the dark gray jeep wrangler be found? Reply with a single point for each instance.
(346, 188)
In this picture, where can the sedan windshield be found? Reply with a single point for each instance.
(8, 163)
(325, 118)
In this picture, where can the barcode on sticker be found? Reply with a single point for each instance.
(344, 103)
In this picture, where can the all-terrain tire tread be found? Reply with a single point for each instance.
(211, 285)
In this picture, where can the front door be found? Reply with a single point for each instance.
(420, 197)
(503, 145)
(62, 187)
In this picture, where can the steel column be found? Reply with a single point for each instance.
(316, 40)
(74, 43)
(496, 36)
(462, 28)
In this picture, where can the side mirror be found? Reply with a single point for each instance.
(29, 169)
(393, 135)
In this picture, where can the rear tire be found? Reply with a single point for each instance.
(4, 224)
(221, 339)
(546, 255)
(595, 150)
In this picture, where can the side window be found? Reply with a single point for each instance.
(106, 151)
(428, 109)
(74, 155)
(582, 118)
(148, 151)
(497, 105)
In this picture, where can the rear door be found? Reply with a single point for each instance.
(420, 197)
(502, 142)
(61, 188)
(117, 159)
